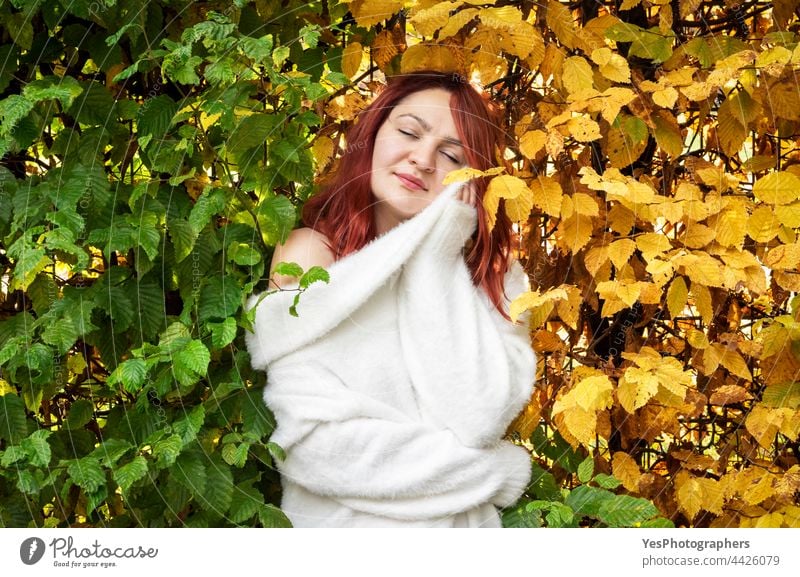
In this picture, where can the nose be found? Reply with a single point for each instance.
(423, 156)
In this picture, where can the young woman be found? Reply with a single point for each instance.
(394, 384)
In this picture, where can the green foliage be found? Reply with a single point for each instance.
(582, 498)
(173, 147)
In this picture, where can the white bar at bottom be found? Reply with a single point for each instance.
(239, 552)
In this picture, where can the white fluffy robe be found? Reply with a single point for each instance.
(394, 386)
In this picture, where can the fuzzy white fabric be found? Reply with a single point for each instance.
(394, 386)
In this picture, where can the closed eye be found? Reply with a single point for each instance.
(452, 158)
(407, 133)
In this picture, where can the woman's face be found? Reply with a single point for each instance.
(415, 147)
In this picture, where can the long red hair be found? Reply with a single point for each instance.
(342, 209)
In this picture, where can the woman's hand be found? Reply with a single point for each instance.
(468, 194)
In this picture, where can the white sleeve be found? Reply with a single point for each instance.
(372, 458)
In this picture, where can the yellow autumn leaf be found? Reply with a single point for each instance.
(427, 21)
(636, 387)
(430, 57)
(624, 468)
(702, 301)
(585, 204)
(621, 251)
(668, 133)
(591, 394)
(368, 13)
(504, 186)
(697, 339)
(783, 257)
(730, 225)
(532, 142)
(575, 232)
(677, 295)
(613, 66)
(777, 188)
(468, 173)
(665, 97)
(456, 22)
(547, 195)
(322, 149)
(689, 494)
(523, 40)
(559, 20)
(611, 102)
(577, 75)
(733, 361)
(763, 225)
(660, 270)
(532, 299)
(351, 59)
(789, 215)
(577, 426)
(652, 245)
(583, 129)
(518, 209)
(697, 235)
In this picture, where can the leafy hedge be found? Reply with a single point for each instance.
(152, 155)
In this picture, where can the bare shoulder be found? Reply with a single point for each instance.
(306, 247)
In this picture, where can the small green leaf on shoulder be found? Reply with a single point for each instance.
(288, 269)
(312, 275)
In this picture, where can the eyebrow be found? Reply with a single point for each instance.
(427, 127)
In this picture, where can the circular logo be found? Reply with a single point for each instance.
(31, 551)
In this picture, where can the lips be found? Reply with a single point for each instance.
(410, 181)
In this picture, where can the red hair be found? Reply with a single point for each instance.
(342, 210)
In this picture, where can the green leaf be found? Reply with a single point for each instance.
(12, 455)
(86, 473)
(131, 373)
(191, 362)
(607, 481)
(190, 471)
(276, 451)
(95, 105)
(13, 426)
(218, 493)
(259, 49)
(586, 500)
(183, 237)
(155, 116)
(652, 44)
(312, 275)
(167, 450)
(80, 413)
(256, 417)
(585, 470)
(12, 110)
(271, 517)
(243, 254)
(543, 485)
(560, 516)
(188, 426)
(111, 450)
(209, 204)
(288, 269)
(276, 216)
(658, 523)
(246, 502)
(52, 87)
(522, 517)
(235, 454)
(222, 334)
(220, 298)
(252, 131)
(126, 475)
(626, 511)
